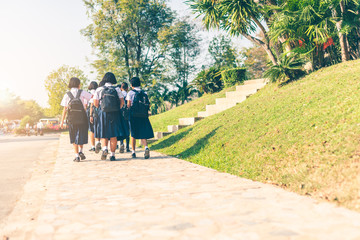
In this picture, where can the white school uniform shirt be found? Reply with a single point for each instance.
(92, 92)
(84, 97)
(124, 93)
(97, 95)
(39, 125)
(131, 95)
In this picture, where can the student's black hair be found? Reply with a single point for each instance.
(74, 82)
(135, 82)
(125, 86)
(101, 83)
(109, 77)
(93, 85)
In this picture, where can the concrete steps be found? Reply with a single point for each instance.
(232, 98)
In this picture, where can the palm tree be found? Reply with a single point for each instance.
(238, 17)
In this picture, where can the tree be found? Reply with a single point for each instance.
(56, 85)
(125, 33)
(238, 17)
(255, 61)
(181, 46)
(222, 52)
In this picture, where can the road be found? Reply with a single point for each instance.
(18, 155)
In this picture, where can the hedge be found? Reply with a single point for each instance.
(233, 76)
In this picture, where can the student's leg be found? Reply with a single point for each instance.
(133, 145)
(113, 143)
(81, 153)
(128, 144)
(76, 150)
(92, 140)
(104, 142)
(147, 150)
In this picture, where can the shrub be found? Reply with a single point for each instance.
(209, 80)
(231, 77)
(289, 68)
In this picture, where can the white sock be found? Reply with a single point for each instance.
(97, 142)
(133, 151)
(113, 154)
(81, 150)
(92, 146)
(146, 147)
(104, 148)
(77, 155)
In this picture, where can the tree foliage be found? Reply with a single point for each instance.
(56, 85)
(125, 34)
(222, 52)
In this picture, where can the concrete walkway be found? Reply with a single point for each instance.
(166, 198)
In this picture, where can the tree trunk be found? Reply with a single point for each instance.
(342, 37)
(343, 44)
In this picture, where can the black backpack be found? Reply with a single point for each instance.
(76, 114)
(141, 105)
(110, 101)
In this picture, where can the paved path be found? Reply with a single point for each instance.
(166, 198)
(18, 155)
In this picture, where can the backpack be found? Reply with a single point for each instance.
(110, 101)
(76, 114)
(141, 105)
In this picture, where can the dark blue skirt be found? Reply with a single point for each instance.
(126, 128)
(141, 128)
(111, 124)
(78, 134)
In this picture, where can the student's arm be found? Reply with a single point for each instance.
(122, 102)
(91, 112)
(96, 103)
(128, 103)
(63, 117)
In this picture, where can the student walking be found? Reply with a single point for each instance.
(92, 117)
(140, 126)
(74, 103)
(109, 100)
(124, 110)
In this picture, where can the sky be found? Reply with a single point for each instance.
(39, 36)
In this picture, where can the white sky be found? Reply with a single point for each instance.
(39, 36)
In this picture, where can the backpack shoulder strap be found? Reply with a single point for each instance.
(78, 93)
(71, 96)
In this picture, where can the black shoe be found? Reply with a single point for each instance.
(122, 148)
(77, 159)
(147, 153)
(92, 149)
(133, 155)
(128, 150)
(112, 158)
(104, 154)
(98, 148)
(82, 156)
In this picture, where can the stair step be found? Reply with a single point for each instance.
(203, 114)
(240, 94)
(159, 135)
(249, 87)
(175, 128)
(255, 81)
(189, 121)
(228, 100)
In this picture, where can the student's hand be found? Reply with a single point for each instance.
(62, 125)
(92, 120)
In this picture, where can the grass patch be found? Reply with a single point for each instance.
(304, 137)
(160, 122)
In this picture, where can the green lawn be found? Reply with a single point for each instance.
(161, 121)
(304, 137)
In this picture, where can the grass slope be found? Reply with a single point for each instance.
(161, 121)
(303, 137)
